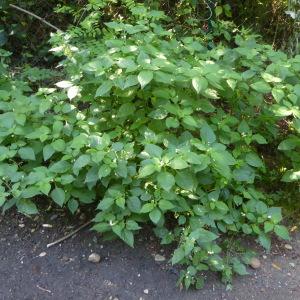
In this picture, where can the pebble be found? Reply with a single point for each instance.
(264, 256)
(288, 247)
(159, 258)
(292, 265)
(255, 263)
(53, 217)
(94, 258)
(42, 254)
(47, 225)
(146, 291)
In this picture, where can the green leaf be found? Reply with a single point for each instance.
(73, 205)
(147, 208)
(172, 122)
(134, 204)
(121, 202)
(80, 163)
(259, 139)
(270, 78)
(265, 241)
(278, 94)
(218, 10)
(244, 174)
(155, 215)
(27, 207)
(268, 226)
(199, 84)
(132, 225)
(198, 159)
(126, 110)
(178, 163)
(153, 150)
(178, 256)
(190, 121)
(48, 151)
(203, 235)
(261, 87)
(207, 134)
(282, 232)
(105, 203)
(147, 170)
(290, 176)
(58, 196)
(144, 78)
(165, 205)
(239, 268)
(127, 237)
(27, 153)
(60, 167)
(59, 145)
(45, 187)
(289, 144)
(104, 88)
(166, 180)
(254, 160)
(104, 171)
(186, 180)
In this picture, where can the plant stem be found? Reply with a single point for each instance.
(35, 16)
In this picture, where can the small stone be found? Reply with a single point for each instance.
(288, 247)
(159, 258)
(47, 225)
(53, 217)
(255, 263)
(65, 258)
(146, 291)
(292, 265)
(264, 256)
(42, 254)
(94, 258)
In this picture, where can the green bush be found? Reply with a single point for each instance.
(152, 127)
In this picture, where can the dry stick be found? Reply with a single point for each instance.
(70, 234)
(35, 16)
(42, 289)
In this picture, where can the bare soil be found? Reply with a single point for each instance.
(28, 270)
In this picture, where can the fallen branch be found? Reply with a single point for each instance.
(70, 234)
(44, 290)
(35, 16)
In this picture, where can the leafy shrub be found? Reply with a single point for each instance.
(156, 128)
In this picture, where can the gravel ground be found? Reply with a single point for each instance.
(28, 270)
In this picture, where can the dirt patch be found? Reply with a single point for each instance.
(28, 270)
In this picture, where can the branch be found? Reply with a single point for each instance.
(35, 16)
(70, 234)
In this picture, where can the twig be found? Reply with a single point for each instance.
(45, 290)
(70, 234)
(35, 16)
